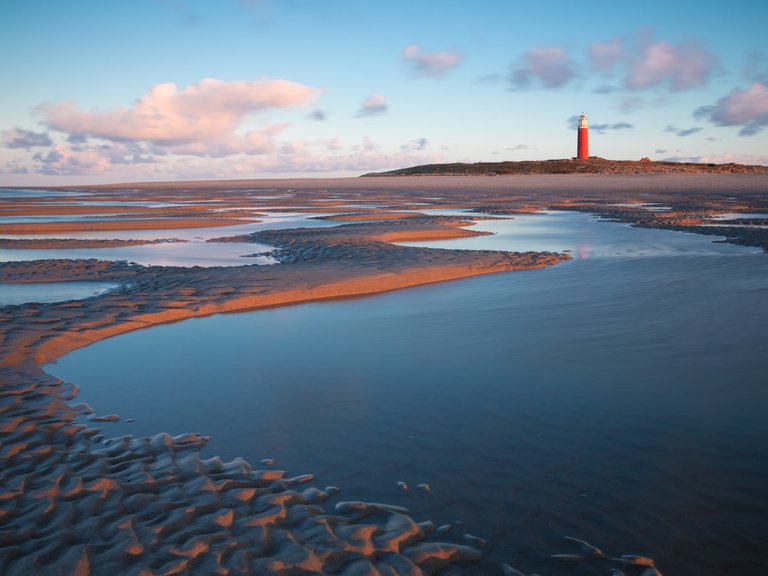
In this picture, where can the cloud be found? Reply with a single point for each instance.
(373, 105)
(430, 63)
(679, 66)
(682, 131)
(761, 159)
(746, 108)
(418, 144)
(317, 115)
(601, 128)
(549, 67)
(614, 126)
(604, 56)
(66, 160)
(207, 111)
(689, 131)
(518, 147)
(305, 157)
(254, 142)
(26, 139)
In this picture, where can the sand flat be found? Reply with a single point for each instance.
(81, 506)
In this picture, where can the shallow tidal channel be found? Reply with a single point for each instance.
(619, 397)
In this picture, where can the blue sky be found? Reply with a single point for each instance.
(100, 91)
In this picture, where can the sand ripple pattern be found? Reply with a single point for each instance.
(73, 504)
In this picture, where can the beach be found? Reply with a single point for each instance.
(84, 502)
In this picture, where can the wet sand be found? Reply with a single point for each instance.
(75, 504)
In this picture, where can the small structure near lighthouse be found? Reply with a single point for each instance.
(582, 146)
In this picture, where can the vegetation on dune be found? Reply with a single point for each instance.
(592, 165)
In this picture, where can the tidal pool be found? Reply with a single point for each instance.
(619, 397)
(194, 251)
(187, 254)
(21, 293)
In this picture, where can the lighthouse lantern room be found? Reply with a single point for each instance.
(582, 147)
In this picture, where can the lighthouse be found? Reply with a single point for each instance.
(582, 147)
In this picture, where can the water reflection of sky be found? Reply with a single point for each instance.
(52, 291)
(194, 253)
(600, 398)
(23, 193)
(732, 215)
(582, 235)
(269, 222)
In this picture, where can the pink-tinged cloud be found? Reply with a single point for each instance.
(430, 63)
(254, 142)
(302, 156)
(373, 105)
(78, 160)
(760, 159)
(549, 67)
(747, 108)
(202, 112)
(680, 66)
(605, 56)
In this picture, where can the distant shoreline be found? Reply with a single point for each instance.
(573, 182)
(593, 165)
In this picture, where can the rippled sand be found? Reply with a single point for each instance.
(76, 503)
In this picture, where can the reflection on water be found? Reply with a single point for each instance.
(579, 233)
(21, 193)
(166, 254)
(52, 291)
(277, 221)
(618, 398)
(733, 215)
(194, 252)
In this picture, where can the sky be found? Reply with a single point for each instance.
(115, 91)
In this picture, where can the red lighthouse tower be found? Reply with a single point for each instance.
(582, 148)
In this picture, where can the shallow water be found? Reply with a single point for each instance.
(732, 215)
(618, 397)
(271, 222)
(194, 252)
(52, 291)
(184, 254)
(583, 236)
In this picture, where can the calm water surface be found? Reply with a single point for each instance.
(195, 251)
(619, 397)
(52, 291)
